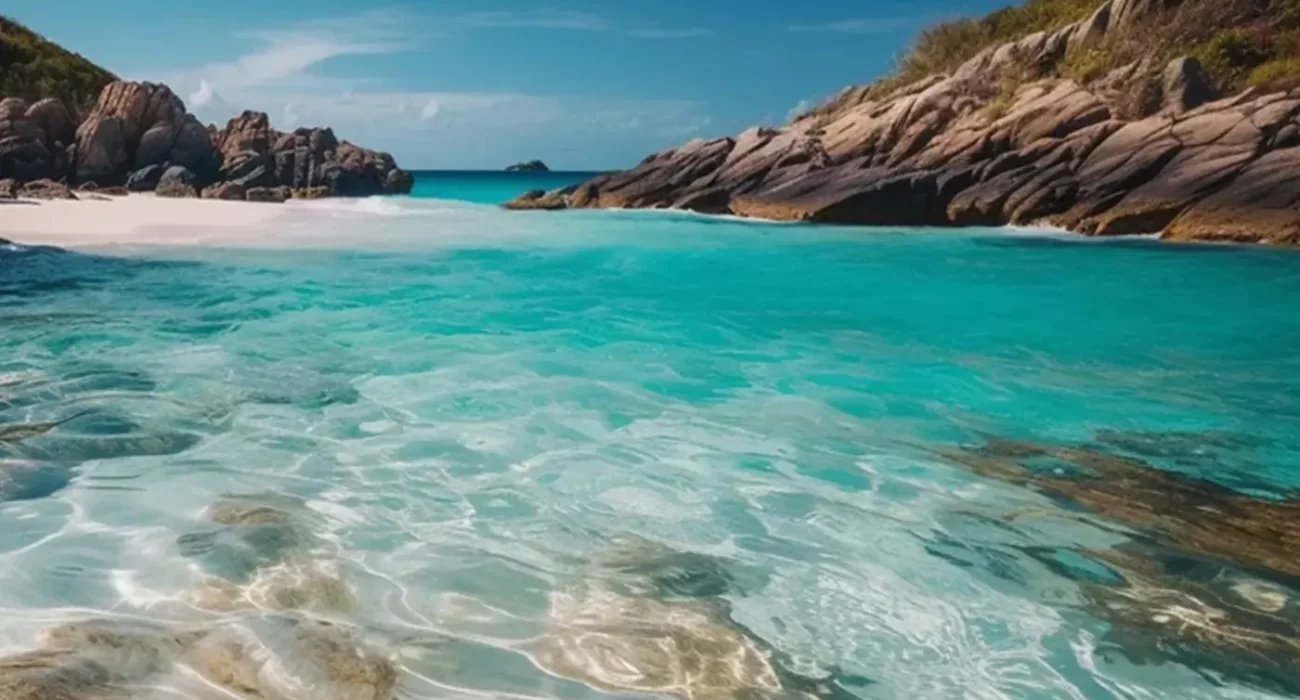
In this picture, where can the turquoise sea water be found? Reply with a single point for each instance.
(489, 187)
(479, 410)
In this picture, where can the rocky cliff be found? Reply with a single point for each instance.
(139, 135)
(969, 146)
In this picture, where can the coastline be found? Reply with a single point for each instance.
(1011, 136)
(131, 220)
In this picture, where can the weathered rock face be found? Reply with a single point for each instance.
(224, 190)
(952, 151)
(45, 189)
(178, 181)
(24, 146)
(137, 131)
(531, 166)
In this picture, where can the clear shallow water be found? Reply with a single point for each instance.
(475, 405)
(489, 187)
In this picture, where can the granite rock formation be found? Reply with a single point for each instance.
(137, 132)
(531, 166)
(959, 150)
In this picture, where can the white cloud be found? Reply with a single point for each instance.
(280, 74)
(878, 25)
(430, 111)
(536, 19)
(687, 33)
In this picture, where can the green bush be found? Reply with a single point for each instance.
(1278, 74)
(1085, 65)
(1230, 56)
(32, 68)
(946, 46)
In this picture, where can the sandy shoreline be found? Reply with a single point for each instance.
(137, 219)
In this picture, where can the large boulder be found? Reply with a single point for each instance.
(101, 151)
(54, 121)
(110, 138)
(24, 153)
(178, 181)
(145, 179)
(193, 148)
(1186, 85)
(245, 148)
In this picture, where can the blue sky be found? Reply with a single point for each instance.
(484, 83)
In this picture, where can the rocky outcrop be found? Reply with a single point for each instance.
(224, 190)
(531, 166)
(26, 149)
(960, 150)
(178, 181)
(137, 131)
(45, 189)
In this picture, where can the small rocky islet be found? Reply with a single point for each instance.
(529, 166)
(1021, 133)
(139, 137)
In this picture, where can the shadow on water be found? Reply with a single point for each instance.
(32, 271)
(1209, 577)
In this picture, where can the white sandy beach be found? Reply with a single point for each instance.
(137, 219)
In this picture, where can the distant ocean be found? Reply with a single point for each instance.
(602, 455)
(487, 186)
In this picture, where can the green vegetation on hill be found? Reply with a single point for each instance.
(945, 46)
(32, 67)
(1240, 43)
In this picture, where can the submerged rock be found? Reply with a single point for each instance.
(131, 651)
(266, 557)
(649, 619)
(640, 645)
(46, 675)
(650, 569)
(298, 584)
(1201, 614)
(1208, 580)
(255, 509)
(1183, 513)
(291, 658)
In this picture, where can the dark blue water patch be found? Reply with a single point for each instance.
(1073, 565)
(85, 448)
(235, 553)
(22, 481)
(27, 271)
